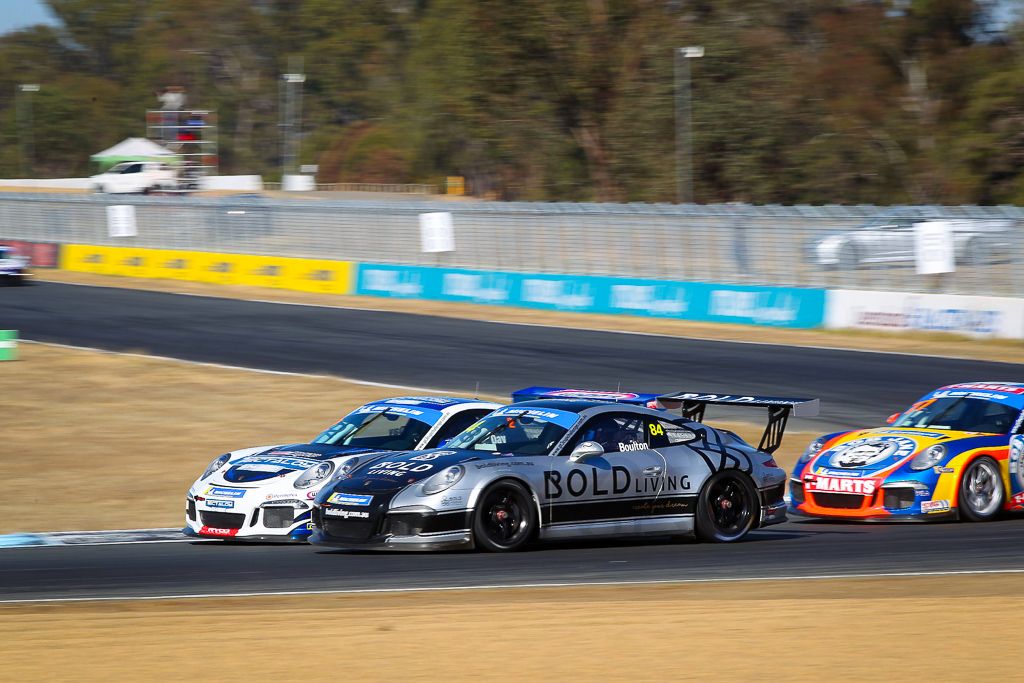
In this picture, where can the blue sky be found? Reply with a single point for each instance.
(16, 14)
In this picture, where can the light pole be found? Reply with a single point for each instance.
(24, 110)
(291, 114)
(684, 137)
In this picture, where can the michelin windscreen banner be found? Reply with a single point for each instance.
(774, 306)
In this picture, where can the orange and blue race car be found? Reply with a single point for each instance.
(957, 453)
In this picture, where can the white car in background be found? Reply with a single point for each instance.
(136, 177)
(975, 242)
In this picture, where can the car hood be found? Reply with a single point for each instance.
(284, 461)
(880, 451)
(394, 471)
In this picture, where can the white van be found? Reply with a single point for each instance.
(136, 176)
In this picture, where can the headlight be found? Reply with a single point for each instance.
(344, 468)
(928, 458)
(314, 475)
(443, 480)
(813, 448)
(215, 465)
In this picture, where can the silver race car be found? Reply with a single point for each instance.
(566, 464)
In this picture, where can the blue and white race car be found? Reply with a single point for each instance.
(266, 493)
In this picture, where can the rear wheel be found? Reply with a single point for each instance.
(505, 518)
(727, 507)
(981, 491)
(977, 252)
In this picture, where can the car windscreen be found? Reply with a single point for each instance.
(961, 414)
(383, 429)
(523, 432)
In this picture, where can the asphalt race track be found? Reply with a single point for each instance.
(788, 550)
(855, 388)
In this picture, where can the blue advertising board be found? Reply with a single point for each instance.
(700, 301)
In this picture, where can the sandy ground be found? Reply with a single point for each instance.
(1011, 351)
(135, 432)
(907, 629)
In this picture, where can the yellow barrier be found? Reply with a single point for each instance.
(307, 275)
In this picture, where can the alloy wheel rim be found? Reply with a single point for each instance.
(504, 518)
(982, 489)
(730, 508)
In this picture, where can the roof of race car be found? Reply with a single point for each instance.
(1010, 393)
(568, 405)
(428, 402)
(536, 393)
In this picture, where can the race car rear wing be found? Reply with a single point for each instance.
(693, 405)
(534, 393)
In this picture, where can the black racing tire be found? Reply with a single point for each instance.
(848, 258)
(981, 494)
(727, 507)
(505, 518)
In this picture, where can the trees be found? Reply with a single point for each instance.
(803, 101)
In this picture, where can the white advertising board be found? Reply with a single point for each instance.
(437, 233)
(933, 248)
(976, 316)
(121, 221)
(298, 183)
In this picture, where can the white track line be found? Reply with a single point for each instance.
(223, 366)
(580, 584)
(552, 326)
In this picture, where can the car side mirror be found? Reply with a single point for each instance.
(585, 450)
(892, 418)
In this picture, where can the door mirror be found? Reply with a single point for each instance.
(892, 418)
(587, 449)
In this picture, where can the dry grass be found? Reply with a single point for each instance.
(907, 629)
(1010, 351)
(129, 433)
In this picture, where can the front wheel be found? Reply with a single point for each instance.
(981, 491)
(727, 507)
(505, 518)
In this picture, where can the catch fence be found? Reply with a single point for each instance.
(804, 246)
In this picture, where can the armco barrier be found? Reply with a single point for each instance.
(741, 304)
(308, 275)
(977, 316)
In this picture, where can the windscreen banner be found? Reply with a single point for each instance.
(742, 304)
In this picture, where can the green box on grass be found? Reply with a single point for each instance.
(8, 345)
